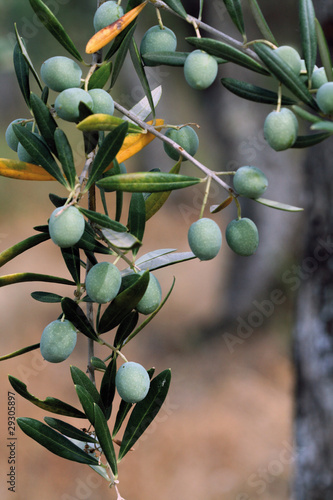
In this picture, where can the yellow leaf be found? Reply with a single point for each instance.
(106, 35)
(21, 170)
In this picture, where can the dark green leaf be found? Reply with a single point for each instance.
(71, 257)
(50, 298)
(22, 73)
(123, 304)
(234, 9)
(10, 279)
(22, 246)
(45, 121)
(261, 22)
(167, 58)
(177, 6)
(80, 378)
(49, 404)
(221, 49)
(19, 352)
(25, 54)
(100, 77)
(52, 24)
(145, 411)
(284, 74)
(137, 217)
(254, 93)
(108, 386)
(75, 315)
(103, 220)
(98, 364)
(90, 244)
(123, 410)
(65, 155)
(324, 51)
(54, 441)
(125, 328)
(106, 153)
(121, 54)
(45, 94)
(306, 141)
(56, 200)
(305, 115)
(105, 439)
(308, 34)
(87, 402)
(147, 182)
(323, 125)
(39, 152)
(140, 71)
(69, 430)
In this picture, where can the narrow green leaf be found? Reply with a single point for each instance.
(137, 217)
(121, 54)
(71, 257)
(100, 77)
(155, 201)
(147, 182)
(277, 205)
(69, 430)
(26, 57)
(254, 93)
(105, 439)
(87, 402)
(98, 364)
(140, 71)
(284, 74)
(88, 243)
(177, 6)
(123, 410)
(221, 49)
(47, 297)
(106, 153)
(51, 23)
(261, 22)
(45, 121)
(164, 260)
(108, 387)
(145, 411)
(75, 315)
(22, 246)
(234, 9)
(39, 152)
(123, 304)
(21, 68)
(105, 122)
(125, 328)
(308, 34)
(323, 125)
(80, 378)
(54, 441)
(306, 141)
(125, 241)
(103, 220)
(49, 404)
(23, 350)
(65, 155)
(10, 279)
(324, 51)
(305, 115)
(165, 57)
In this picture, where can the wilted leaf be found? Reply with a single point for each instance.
(21, 170)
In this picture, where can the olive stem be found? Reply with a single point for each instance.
(114, 349)
(209, 180)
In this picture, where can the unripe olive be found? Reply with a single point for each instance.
(186, 137)
(242, 236)
(132, 382)
(318, 78)
(10, 135)
(291, 57)
(67, 103)
(107, 14)
(102, 101)
(250, 182)
(280, 129)
(23, 154)
(103, 282)
(325, 97)
(158, 39)
(66, 226)
(151, 298)
(58, 341)
(200, 69)
(60, 73)
(205, 238)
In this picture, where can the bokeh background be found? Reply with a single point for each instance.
(225, 431)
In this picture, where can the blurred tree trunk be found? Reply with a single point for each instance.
(313, 334)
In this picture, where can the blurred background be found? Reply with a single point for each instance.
(225, 430)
